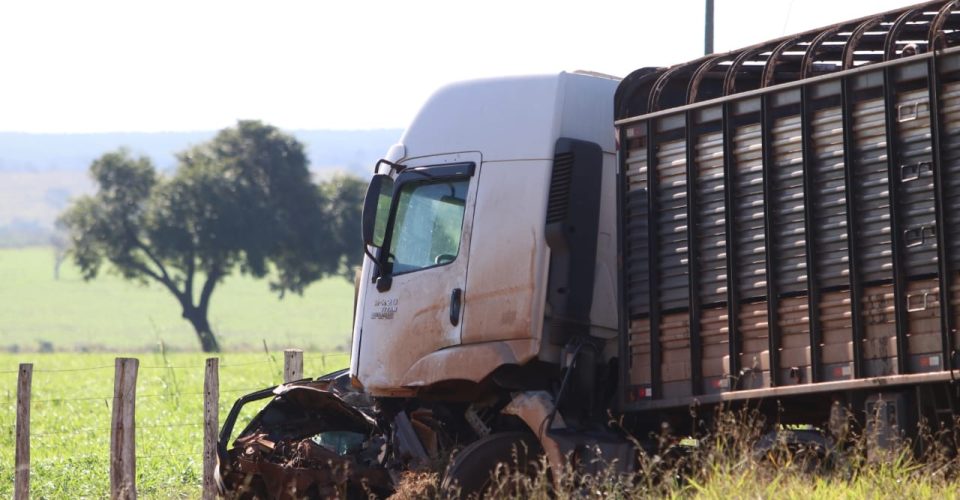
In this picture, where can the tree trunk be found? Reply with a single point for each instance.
(201, 326)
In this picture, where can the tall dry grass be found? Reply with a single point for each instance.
(740, 455)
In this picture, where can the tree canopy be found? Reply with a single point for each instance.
(244, 201)
(343, 208)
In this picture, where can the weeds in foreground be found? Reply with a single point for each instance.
(741, 456)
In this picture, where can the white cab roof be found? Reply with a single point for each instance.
(514, 117)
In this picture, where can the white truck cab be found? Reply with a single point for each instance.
(470, 230)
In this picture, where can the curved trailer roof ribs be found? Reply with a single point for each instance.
(817, 52)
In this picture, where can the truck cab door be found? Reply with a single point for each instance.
(413, 305)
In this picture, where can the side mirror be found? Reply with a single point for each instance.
(376, 209)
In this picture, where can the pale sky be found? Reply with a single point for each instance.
(96, 66)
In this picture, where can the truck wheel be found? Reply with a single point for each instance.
(809, 450)
(472, 468)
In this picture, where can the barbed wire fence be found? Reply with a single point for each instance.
(121, 406)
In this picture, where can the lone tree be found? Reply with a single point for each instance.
(242, 201)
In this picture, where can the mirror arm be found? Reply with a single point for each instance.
(396, 167)
(373, 258)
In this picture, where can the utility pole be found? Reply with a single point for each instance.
(708, 29)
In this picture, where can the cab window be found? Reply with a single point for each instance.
(428, 224)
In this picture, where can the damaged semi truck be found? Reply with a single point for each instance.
(778, 225)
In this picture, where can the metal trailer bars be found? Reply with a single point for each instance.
(693, 259)
(943, 213)
(850, 195)
(810, 199)
(803, 60)
(894, 179)
(843, 46)
(770, 241)
(730, 232)
(656, 353)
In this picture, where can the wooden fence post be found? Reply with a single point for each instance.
(211, 424)
(292, 365)
(123, 448)
(21, 481)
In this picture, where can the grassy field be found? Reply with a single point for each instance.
(73, 387)
(70, 418)
(38, 312)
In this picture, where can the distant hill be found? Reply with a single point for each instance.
(41, 173)
(350, 150)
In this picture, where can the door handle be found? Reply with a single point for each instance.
(456, 297)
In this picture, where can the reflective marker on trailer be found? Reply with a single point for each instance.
(928, 361)
(842, 371)
(722, 383)
(644, 392)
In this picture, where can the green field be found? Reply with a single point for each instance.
(38, 312)
(72, 390)
(70, 417)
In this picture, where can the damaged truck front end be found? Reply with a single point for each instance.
(314, 439)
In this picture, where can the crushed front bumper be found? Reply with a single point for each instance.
(314, 439)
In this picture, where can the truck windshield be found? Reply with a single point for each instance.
(428, 224)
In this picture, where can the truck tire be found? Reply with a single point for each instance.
(472, 468)
(807, 449)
